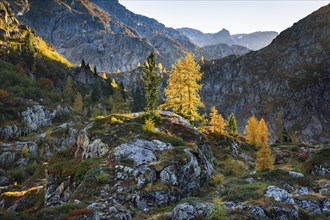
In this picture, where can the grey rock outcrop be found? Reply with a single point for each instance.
(58, 192)
(90, 149)
(7, 159)
(280, 195)
(33, 119)
(189, 211)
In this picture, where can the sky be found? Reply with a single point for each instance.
(237, 16)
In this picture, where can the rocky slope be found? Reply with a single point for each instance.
(111, 168)
(253, 41)
(291, 76)
(219, 51)
(104, 33)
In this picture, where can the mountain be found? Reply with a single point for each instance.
(291, 76)
(222, 50)
(201, 39)
(28, 64)
(253, 41)
(102, 32)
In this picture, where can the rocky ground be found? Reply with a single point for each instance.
(111, 168)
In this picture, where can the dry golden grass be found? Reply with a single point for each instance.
(22, 193)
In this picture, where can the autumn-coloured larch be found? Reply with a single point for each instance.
(217, 123)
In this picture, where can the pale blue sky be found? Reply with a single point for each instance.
(211, 16)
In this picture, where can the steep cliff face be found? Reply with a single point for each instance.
(253, 41)
(104, 33)
(291, 75)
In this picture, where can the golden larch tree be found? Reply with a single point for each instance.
(182, 91)
(217, 123)
(262, 133)
(251, 130)
(264, 159)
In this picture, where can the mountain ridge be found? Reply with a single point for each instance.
(253, 41)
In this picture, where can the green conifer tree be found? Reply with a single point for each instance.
(231, 126)
(151, 80)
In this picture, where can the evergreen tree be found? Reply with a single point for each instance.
(251, 130)
(182, 91)
(95, 93)
(286, 136)
(279, 128)
(123, 91)
(264, 159)
(151, 80)
(28, 43)
(68, 90)
(95, 70)
(231, 127)
(78, 103)
(29, 51)
(262, 133)
(217, 123)
(83, 64)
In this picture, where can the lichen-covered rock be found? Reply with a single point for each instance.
(190, 211)
(317, 207)
(321, 170)
(34, 118)
(7, 159)
(283, 213)
(279, 195)
(89, 149)
(57, 191)
(303, 191)
(295, 174)
(253, 211)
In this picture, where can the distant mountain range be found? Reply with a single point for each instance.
(252, 41)
(109, 36)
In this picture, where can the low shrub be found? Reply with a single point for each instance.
(242, 190)
(233, 167)
(218, 212)
(149, 125)
(17, 174)
(102, 178)
(80, 214)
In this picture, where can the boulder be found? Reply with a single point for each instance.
(189, 211)
(7, 159)
(280, 195)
